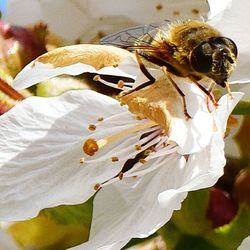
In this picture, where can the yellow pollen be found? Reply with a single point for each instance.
(138, 118)
(153, 149)
(120, 175)
(96, 78)
(137, 147)
(90, 147)
(115, 158)
(100, 119)
(142, 161)
(92, 127)
(82, 160)
(120, 84)
(97, 186)
(147, 152)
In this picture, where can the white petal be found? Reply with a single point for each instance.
(226, 106)
(6, 242)
(41, 146)
(36, 72)
(217, 7)
(196, 133)
(203, 169)
(245, 245)
(235, 25)
(129, 208)
(85, 18)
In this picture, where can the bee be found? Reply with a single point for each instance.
(189, 48)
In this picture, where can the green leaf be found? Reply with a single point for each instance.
(191, 219)
(170, 234)
(71, 214)
(242, 108)
(190, 242)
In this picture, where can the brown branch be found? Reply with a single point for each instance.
(8, 90)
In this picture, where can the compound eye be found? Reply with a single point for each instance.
(227, 42)
(201, 58)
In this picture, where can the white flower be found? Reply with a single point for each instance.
(42, 158)
(85, 19)
(6, 241)
(245, 245)
(142, 168)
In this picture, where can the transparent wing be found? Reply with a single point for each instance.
(128, 37)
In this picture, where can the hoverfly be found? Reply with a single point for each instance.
(189, 48)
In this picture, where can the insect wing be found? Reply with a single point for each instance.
(128, 37)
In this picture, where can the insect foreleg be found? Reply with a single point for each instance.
(207, 92)
(144, 70)
(180, 93)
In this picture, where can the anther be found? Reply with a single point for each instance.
(142, 161)
(138, 147)
(96, 78)
(120, 175)
(120, 84)
(100, 119)
(82, 160)
(114, 158)
(90, 147)
(97, 186)
(92, 127)
(147, 152)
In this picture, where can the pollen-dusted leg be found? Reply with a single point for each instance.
(179, 91)
(144, 70)
(228, 90)
(207, 92)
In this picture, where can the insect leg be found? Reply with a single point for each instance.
(144, 70)
(228, 90)
(207, 92)
(180, 93)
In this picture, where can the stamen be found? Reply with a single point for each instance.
(97, 186)
(142, 161)
(96, 78)
(147, 152)
(91, 146)
(100, 119)
(137, 147)
(123, 85)
(120, 175)
(114, 158)
(120, 84)
(92, 127)
(82, 160)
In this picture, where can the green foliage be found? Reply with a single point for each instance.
(242, 108)
(71, 214)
